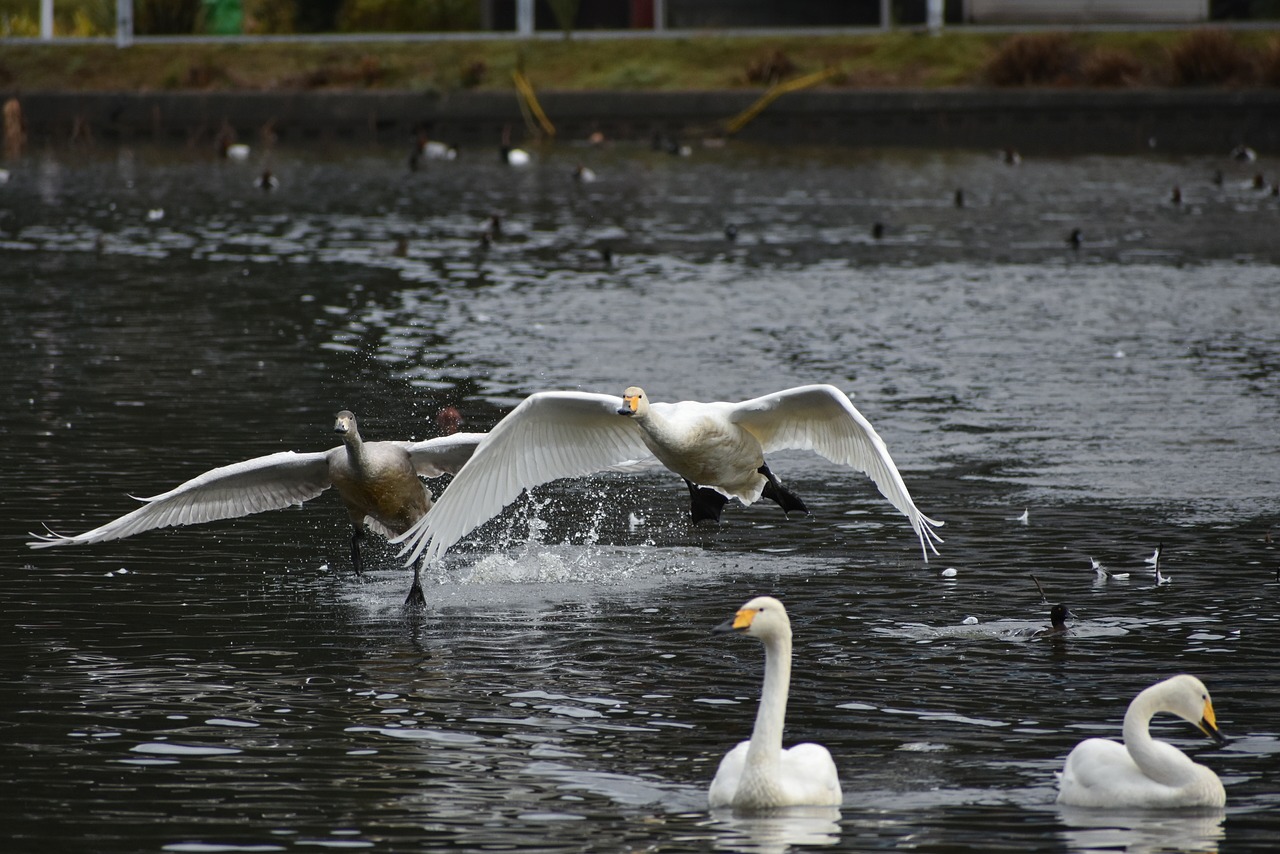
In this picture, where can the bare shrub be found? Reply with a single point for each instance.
(770, 69)
(1111, 68)
(473, 74)
(1037, 59)
(1209, 57)
(1269, 64)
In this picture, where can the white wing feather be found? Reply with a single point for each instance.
(821, 418)
(273, 482)
(442, 455)
(550, 435)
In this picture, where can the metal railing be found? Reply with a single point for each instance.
(525, 28)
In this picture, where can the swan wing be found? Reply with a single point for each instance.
(821, 418)
(810, 776)
(725, 784)
(1101, 773)
(550, 435)
(272, 482)
(442, 455)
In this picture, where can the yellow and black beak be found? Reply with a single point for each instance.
(629, 404)
(1209, 724)
(740, 623)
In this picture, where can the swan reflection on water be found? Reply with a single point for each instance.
(1142, 832)
(776, 831)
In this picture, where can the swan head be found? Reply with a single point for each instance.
(634, 402)
(1186, 697)
(762, 617)
(344, 423)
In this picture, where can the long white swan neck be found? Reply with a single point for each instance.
(355, 447)
(1159, 761)
(766, 738)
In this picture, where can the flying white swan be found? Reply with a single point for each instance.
(718, 448)
(378, 482)
(758, 774)
(1144, 772)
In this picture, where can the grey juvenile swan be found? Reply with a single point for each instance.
(718, 448)
(378, 481)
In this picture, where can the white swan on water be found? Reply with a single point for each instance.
(718, 448)
(378, 482)
(1144, 772)
(758, 774)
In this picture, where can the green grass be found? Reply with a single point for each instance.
(890, 60)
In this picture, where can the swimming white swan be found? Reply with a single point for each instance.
(758, 774)
(718, 448)
(378, 482)
(1143, 772)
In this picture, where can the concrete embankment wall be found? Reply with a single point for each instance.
(1049, 121)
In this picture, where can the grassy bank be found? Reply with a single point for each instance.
(890, 60)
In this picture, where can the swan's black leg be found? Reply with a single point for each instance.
(704, 503)
(776, 492)
(416, 598)
(357, 534)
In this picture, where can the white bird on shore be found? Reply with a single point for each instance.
(718, 448)
(1144, 773)
(378, 481)
(759, 774)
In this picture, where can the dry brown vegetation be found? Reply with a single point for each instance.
(1201, 57)
(890, 60)
(1111, 69)
(1037, 59)
(1209, 58)
(770, 69)
(1269, 67)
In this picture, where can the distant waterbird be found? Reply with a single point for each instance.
(1058, 626)
(1244, 154)
(1102, 574)
(515, 156)
(426, 149)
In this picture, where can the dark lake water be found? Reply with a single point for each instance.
(233, 687)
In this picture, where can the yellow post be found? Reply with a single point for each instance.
(525, 89)
(740, 121)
